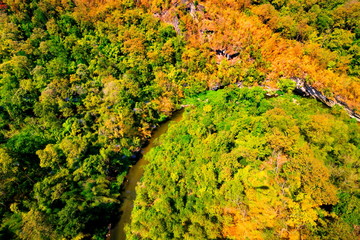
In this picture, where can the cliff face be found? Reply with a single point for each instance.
(235, 46)
(305, 90)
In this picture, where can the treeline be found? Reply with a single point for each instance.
(240, 166)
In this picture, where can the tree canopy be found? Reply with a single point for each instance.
(83, 83)
(240, 166)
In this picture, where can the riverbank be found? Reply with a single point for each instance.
(133, 177)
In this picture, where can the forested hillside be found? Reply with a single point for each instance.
(83, 83)
(240, 166)
(79, 94)
(266, 41)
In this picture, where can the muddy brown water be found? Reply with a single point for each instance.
(134, 176)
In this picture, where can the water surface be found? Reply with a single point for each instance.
(134, 176)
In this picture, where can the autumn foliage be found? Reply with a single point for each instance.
(83, 84)
(249, 169)
(278, 45)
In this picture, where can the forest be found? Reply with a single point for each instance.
(83, 84)
(240, 166)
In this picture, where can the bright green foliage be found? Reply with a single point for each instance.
(83, 83)
(77, 98)
(286, 85)
(240, 165)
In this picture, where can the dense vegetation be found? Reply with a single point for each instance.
(77, 100)
(84, 82)
(240, 166)
(317, 41)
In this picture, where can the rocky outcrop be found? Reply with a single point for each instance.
(306, 90)
(192, 8)
(303, 89)
(225, 54)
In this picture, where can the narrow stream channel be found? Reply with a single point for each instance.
(134, 176)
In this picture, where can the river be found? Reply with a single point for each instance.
(135, 173)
